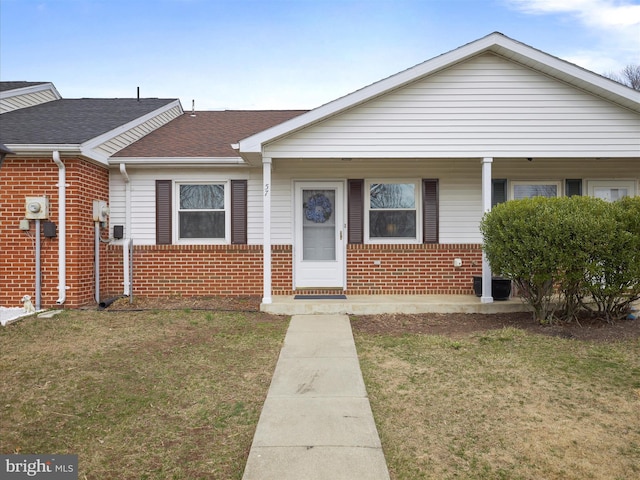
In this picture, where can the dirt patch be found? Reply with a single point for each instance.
(176, 302)
(457, 325)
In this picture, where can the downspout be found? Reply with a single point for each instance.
(62, 229)
(126, 244)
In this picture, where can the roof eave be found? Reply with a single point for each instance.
(31, 89)
(177, 161)
(29, 150)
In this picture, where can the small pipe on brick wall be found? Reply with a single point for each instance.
(96, 256)
(62, 227)
(38, 268)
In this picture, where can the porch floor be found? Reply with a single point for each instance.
(378, 304)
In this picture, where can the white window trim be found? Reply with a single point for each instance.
(227, 214)
(514, 183)
(418, 199)
(630, 185)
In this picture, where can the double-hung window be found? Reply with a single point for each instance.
(202, 212)
(393, 213)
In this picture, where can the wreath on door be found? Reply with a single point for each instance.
(318, 208)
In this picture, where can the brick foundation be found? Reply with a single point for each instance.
(236, 270)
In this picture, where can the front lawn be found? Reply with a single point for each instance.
(138, 395)
(505, 403)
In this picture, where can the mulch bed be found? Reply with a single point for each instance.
(455, 325)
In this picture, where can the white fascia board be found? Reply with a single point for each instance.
(32, 89)
(48, 149)
(496, 43)
(567, 72)
(32, 149)
(177, 161)
(105, 137)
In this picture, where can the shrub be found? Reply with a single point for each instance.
(612, 278)
(584, 249)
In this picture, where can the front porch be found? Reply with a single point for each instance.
(380, 304)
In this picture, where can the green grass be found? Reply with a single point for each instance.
(504, 404)
(153, 395)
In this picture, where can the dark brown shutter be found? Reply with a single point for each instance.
(498, 191)
(163, 212)
(355, 211)
(573, 187)
(239, 211)
(430, 210)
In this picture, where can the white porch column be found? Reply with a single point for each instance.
(266, 230)
(487, 294)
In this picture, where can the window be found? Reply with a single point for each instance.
(393, 211)
(201, 211)
(611, 190)
(520, 190)
(214, 212)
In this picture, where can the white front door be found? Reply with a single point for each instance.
(319, 231)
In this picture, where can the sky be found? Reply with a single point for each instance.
(284, 54)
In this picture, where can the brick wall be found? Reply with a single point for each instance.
(188, 270)
(35, 177)
(412, 269)
(236, 270)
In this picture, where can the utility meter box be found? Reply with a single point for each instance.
(36, 208)
(100, 211)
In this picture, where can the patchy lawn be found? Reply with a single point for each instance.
(149, 394)
(500, 397)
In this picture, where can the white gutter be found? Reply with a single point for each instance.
(126, 244)
(62, 229)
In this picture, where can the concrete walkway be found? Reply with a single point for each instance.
(316, 423)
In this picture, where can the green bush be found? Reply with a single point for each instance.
(567, 254)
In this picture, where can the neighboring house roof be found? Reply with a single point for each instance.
(17, 95)
(208, 134)
(7, 86)
(496, 43)
(72, 121)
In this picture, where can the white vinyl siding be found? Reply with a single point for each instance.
(484, 107)
(26, 100)
(125, 139)
(459, 186)
(143, 197)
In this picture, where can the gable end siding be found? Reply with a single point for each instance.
(486, 106)
(26, 100)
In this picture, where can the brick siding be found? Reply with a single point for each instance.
(35, 177)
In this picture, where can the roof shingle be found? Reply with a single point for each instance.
(207, 134)
(72, 121)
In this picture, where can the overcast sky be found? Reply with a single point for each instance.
(262, 54)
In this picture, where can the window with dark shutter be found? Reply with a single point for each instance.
(573, 187)
(163, 212)
(239, 211)
(498, 191)
(430, 220)
(355, 212)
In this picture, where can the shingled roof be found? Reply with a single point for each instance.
(8, 86)
(207, 134)
(72, 121)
